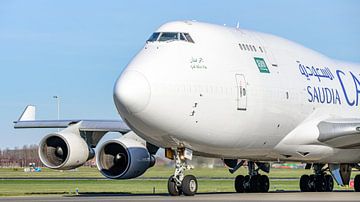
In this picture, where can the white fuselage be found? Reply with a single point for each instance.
(214, 97)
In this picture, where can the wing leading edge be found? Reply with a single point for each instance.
(27, 120)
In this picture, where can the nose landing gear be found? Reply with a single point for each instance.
(179, 183)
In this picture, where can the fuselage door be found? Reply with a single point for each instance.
(241, 92)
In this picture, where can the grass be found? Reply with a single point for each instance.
(153, 180)
(135, 186)
(156, 172)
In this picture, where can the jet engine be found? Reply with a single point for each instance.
(64, 151)
(123, 158)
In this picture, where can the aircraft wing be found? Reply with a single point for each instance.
(27, 120)
(340, 133)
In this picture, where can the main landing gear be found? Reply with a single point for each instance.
(318, 182)
(252, 183)
(179, 183)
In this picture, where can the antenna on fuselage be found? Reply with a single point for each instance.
(238, 25)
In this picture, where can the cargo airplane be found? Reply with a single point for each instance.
(246, 97)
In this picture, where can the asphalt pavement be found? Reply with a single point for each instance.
(244, 197)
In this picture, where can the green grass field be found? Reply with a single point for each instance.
(141, 185)
(157, 171)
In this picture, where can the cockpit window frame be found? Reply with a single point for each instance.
(180, 36)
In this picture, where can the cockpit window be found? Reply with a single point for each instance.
(170, 36)
(188, 38)
(154, 37)
(182, 37)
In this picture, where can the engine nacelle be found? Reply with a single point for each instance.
(64, 151)
(123, 158)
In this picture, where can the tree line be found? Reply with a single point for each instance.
(23, 157)
(28, 154)
(20, 157)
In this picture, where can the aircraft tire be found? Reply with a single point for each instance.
(357, 183)
(254, 183)
(264, 183)
(239, 184)
(312, 184)
(173, 189)
(304, 183)
(189, 185)
(320, 184)
(247, 188)
(329, 181)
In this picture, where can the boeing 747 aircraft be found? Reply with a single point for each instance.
(221, 92)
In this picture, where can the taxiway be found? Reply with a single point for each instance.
(244, 197)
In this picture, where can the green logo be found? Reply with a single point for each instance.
(260, 62)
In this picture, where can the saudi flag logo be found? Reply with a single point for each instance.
(260, 62)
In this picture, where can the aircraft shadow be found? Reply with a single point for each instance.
(125, 194)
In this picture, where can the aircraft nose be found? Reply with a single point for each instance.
(132, 91)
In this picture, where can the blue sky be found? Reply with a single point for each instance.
(77, 49)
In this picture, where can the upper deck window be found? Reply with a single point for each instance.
(170, 36)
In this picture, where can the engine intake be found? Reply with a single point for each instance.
(123, 158)
(64, 151)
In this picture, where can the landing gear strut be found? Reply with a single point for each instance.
(254, 182)
(179, 183)
(318, 182)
